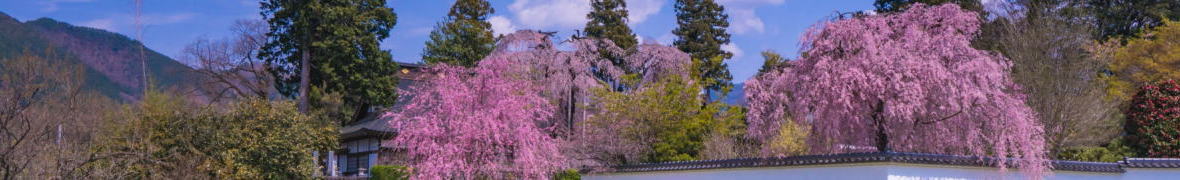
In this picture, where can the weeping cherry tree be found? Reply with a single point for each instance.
(908, 81)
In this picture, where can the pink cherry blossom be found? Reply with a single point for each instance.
(910, 79)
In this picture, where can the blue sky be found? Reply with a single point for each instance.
(756, 25)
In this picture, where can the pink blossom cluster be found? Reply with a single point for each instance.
(501, 118)
(916, 74)
(476, 123)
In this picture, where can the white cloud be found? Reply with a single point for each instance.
(733, 48)
(103, 23)
(570, 14)
(639, 10)
(550, 14)
(158, 19)
(52, 5)
(501, 25)
(743, 18)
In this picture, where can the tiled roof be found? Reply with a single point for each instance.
(896, 157)
(374, 123)
(1151, 162)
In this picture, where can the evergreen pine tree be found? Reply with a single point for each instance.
(701, 30)
(608, 20)
(464, 37)
(331, 47)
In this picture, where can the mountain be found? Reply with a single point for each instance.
(113, 64)
(736, 96)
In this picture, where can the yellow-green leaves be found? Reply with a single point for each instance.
(1154, 57)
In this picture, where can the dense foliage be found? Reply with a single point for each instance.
(167, 137)
(908, 81)
(1116, 150)
(568, 174)
(338, 40)
(891, 6)
(772, 61)
(608, 20)
(464, 37)
(660, 122)
(701, 31)
(1145, 60)
(477, 123)
(1130, 18)
(388, 172)
(1153, 121)
(111, 61)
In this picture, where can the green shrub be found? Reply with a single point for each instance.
(389, 172)
(1113, 152)
(1152, 120)
(568, 174)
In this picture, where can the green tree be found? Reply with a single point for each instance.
(889, 6)
(390, 172)
(168, 137)
(1143, 60)
(772, 61)
(608, 20)
(1113, 151)
(658, 123)
(464, 38)
(701, 28)
(331, 46)
(1129, 18)
(258, 139)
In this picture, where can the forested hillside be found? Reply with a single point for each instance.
(112, 61)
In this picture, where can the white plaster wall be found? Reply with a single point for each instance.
(922, 171)
(1152, 173)
(803, 172)
(870, 171)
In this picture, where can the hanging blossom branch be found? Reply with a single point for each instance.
(871, 81)
(477, 123)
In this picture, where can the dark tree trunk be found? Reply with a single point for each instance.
(359, 113)
(572, 108)
(879, 120)
(304, 78)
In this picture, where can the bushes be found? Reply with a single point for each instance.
(1153, 120)
(1113, 152)
(568, 174)
(390, 172)
(167, 137)
(662, 122)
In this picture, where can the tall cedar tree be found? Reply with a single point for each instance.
(701, 31)
(464, 38)
(608, 20)
(890, 6)
(1129, 18)
(340, 40)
